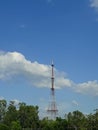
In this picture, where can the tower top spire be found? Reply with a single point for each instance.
(52, 63)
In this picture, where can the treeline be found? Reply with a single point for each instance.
(25, 117)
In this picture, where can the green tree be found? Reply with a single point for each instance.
(43, 124)
(15, 125)
(77, 119)
(95, 120)
(90, 120)
(4, 127)
(28, 116)
(3, 105)
(61, 124)
(58, 124)
(11, 114)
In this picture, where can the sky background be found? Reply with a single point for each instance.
(35, 32)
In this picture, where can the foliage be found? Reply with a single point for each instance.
(3, 105)
(15, 125)
(28, 116)
(4, 127)
(11, 114)
(25, 117)
(77, 119)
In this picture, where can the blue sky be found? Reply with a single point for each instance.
(32, 33)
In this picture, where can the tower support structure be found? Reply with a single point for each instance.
(52, 109)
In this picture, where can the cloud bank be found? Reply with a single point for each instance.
(14, 65)
(94, 4)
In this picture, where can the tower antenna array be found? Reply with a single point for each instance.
(52, 109)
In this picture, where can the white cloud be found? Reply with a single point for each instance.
(1, 98)
(74, 102)
(94, 4)
(14, 64)
(16, 102)
(89, 87)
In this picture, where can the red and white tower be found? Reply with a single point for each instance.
(52, 109)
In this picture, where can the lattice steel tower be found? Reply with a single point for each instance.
(52, 109)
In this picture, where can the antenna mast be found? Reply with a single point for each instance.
(52, 109)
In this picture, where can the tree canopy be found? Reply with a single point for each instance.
(25, 117)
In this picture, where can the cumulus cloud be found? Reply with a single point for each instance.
(75, 103)
(14, 65)
(1, 98)
(15, 102)
(89, 87)
(94, 4)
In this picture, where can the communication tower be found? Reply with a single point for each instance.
(52, 109)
